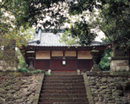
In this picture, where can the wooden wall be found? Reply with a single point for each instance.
(53, 60)
(70, 53)
(42, 64)
(43, 55)
(84, 55)
(57, 53)
(56, 64)
(84, 64)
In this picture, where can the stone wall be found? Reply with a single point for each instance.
(109, 89)
(119, 65)
(16, 88)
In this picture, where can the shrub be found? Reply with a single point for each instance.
(104, 64)
(35, 71)
(23, 70)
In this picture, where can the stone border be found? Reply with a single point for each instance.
(37, 94)
(120, 58)
(109, 74)
(88, 89)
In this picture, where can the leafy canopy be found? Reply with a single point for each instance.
(114, 18)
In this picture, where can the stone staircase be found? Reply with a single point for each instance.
(64, 88)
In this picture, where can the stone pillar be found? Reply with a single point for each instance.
(120, 60)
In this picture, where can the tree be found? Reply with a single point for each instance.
(11, 36)
(113, 21)
(116, 21)
(17, 17)
(80, 32)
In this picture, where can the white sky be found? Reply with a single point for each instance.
(100, 36)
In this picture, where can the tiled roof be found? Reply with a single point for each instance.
(43, 38)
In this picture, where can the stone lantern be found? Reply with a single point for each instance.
(31, 59)
(95, 54)
(31, 63)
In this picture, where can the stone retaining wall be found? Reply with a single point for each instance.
(109, 89)
(16, 88)
(120, 65)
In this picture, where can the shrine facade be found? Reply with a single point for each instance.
(45, 52)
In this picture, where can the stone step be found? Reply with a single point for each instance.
(63, 96)
(64, 84)
(62, 81)
(64, 73)
(55, 79)
(52, 100)
(82, 91)
(63, 103)
(59, 79)
(63, 87)
(64, 76)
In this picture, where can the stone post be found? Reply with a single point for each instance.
(120, 60)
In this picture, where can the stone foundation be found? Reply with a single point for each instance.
(109, 89)
(119, 65)
(17, 88)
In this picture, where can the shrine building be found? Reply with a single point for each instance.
(45, 52)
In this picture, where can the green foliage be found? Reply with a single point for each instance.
(116, 21)
(22, 10)
(105, 60)
(106, 41)
(21, 62)
(47, 73)
(68, 39)
(80, 33)
(28, 12)
(35, 71)
(19, 38)
(114, 18)
(82, 5)
(23, 70)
